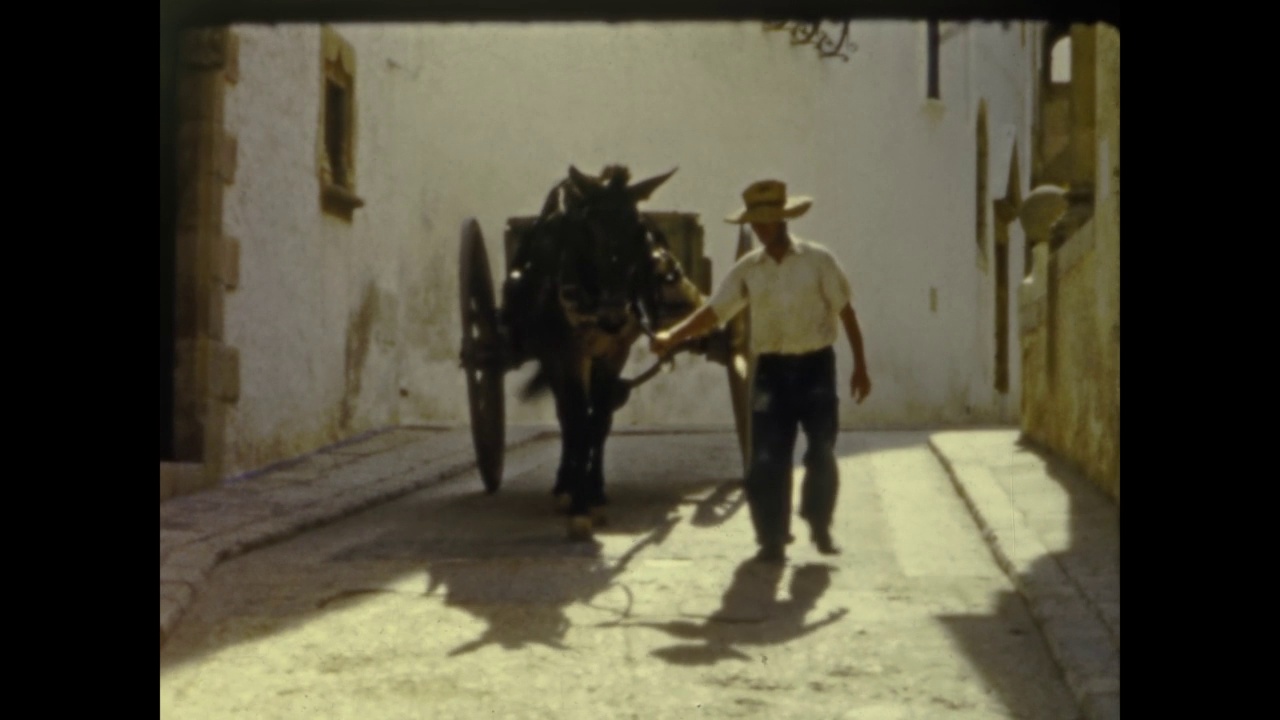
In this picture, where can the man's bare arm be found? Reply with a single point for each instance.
(860, 384)
(702, 321)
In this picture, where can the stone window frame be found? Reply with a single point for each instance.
(337, 96)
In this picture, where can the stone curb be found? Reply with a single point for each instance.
(1072, 632)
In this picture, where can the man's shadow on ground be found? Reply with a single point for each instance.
(750, 615)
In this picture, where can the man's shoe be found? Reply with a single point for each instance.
(771, 554)
(822, 539)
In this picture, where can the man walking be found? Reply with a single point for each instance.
(796, 290)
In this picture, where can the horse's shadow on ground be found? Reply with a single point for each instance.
(505, 559)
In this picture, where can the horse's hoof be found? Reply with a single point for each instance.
(563, 501)
(580, 528)
(599, 516)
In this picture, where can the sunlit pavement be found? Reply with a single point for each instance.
(376, 579)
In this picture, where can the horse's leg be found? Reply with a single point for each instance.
(555, 378)
(573, 409)
(595, 474)
(608, 394)
(600, 423)
(571, 413)
(562, 492)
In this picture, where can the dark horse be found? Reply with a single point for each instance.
(586, 280)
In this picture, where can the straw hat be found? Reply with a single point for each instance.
(767, 201)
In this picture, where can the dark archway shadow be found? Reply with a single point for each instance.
(750, 615)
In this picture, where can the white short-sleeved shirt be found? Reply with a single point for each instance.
(795, 304)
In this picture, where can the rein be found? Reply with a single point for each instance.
(667, 359)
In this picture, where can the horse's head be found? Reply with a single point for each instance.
(611, 252)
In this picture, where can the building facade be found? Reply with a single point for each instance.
(1070, 304)
(325, 173)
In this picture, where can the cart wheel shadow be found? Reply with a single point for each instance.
(720, 505)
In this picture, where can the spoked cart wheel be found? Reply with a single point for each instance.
(481, 356)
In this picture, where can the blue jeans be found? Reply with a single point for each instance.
(791, 393)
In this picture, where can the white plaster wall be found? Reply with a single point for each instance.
(505, 109)
(311, 372)
(479, 120)
(1002, 70)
